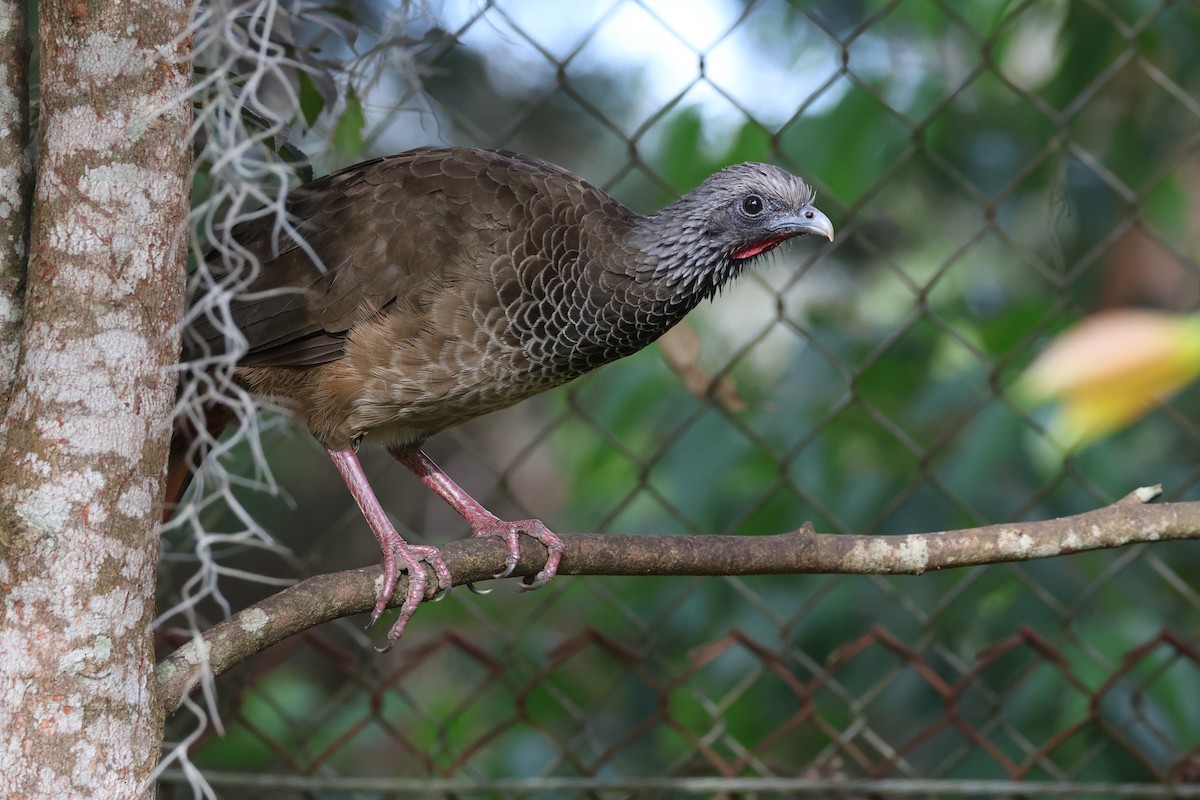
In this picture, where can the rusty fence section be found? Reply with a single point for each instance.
(996, 171)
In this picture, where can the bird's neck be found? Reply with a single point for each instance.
(679, 259)
(643, 273)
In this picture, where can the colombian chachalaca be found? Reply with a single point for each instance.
(450, 282)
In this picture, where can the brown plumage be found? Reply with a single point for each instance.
(454, 282)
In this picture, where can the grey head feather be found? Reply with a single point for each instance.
(705, 238)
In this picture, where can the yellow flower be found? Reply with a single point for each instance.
(1111, 369)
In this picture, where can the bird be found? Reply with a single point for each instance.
(420, 290)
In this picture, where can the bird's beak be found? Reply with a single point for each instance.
(807, 220)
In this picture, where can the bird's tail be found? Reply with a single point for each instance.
(188, 450)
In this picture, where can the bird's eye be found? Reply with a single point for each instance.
(752, 204)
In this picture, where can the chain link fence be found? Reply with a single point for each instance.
(996, 171)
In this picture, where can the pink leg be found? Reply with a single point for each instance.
(392, 545)
(484, 522)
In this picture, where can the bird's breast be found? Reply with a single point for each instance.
(410, 379)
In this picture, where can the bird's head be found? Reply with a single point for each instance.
(741, 212)
(752, 208)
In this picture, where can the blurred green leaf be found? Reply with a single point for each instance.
(348, 132)
(311, 101)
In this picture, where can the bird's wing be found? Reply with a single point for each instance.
(387, 233)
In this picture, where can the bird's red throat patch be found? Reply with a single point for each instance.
(761, 246)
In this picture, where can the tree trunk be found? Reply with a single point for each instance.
(86, 429)
(14, 182)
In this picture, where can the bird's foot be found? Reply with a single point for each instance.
(484, 522)
(393, 547)
(511, 533)
(415, 556)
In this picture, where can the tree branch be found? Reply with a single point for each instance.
(326, 597)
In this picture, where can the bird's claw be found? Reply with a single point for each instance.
(433, 557)
(511, 532)
(539, 580)
(415, 556)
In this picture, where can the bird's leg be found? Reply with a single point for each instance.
(392, 545)
(482, 521)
